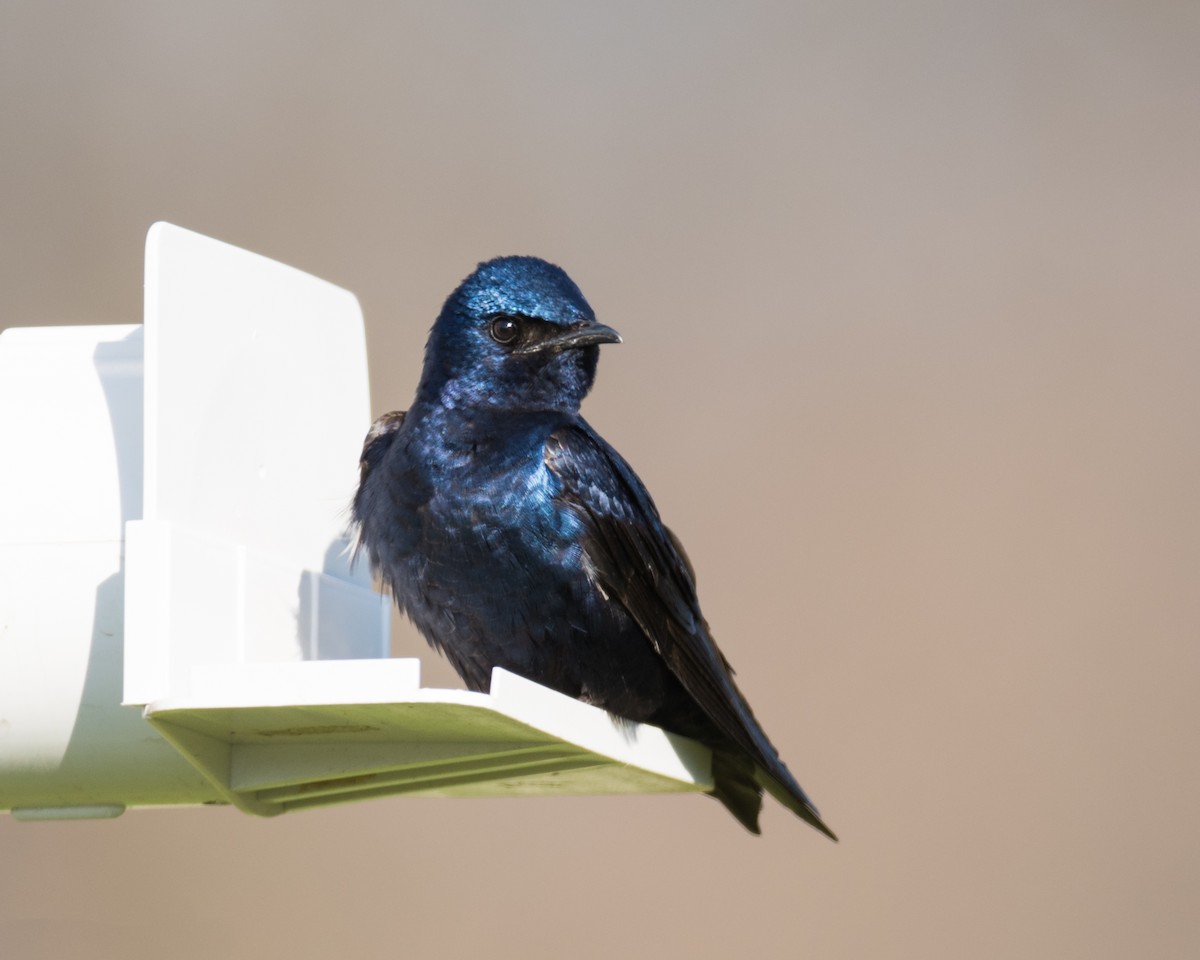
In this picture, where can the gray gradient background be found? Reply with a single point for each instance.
(909, 295)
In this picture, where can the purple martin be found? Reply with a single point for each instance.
(514, 536)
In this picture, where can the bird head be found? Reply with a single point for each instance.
(516, 334)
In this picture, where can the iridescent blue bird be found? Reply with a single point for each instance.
(513, 535)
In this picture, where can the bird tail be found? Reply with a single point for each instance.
(794, 800)
(735, 786)
(738, 782)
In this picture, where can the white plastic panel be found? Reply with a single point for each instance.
(257, 401)
(256, 397)
(70, 475)
(70, 408)
(271, 740)
(65, 394)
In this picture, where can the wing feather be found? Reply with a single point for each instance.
(638, 562)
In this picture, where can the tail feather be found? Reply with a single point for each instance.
(734, 785)
(798, 804)
(738, 782)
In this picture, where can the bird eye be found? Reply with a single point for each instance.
(505, 329)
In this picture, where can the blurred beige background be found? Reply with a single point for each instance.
(910, 301)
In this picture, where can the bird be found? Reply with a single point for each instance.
(513, 535)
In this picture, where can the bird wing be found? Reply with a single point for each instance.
(379, 438)
(635, 560)
(377, 441)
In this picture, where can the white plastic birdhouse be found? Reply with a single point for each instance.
(180, 621)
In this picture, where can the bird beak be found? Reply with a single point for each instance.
(584, 334)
